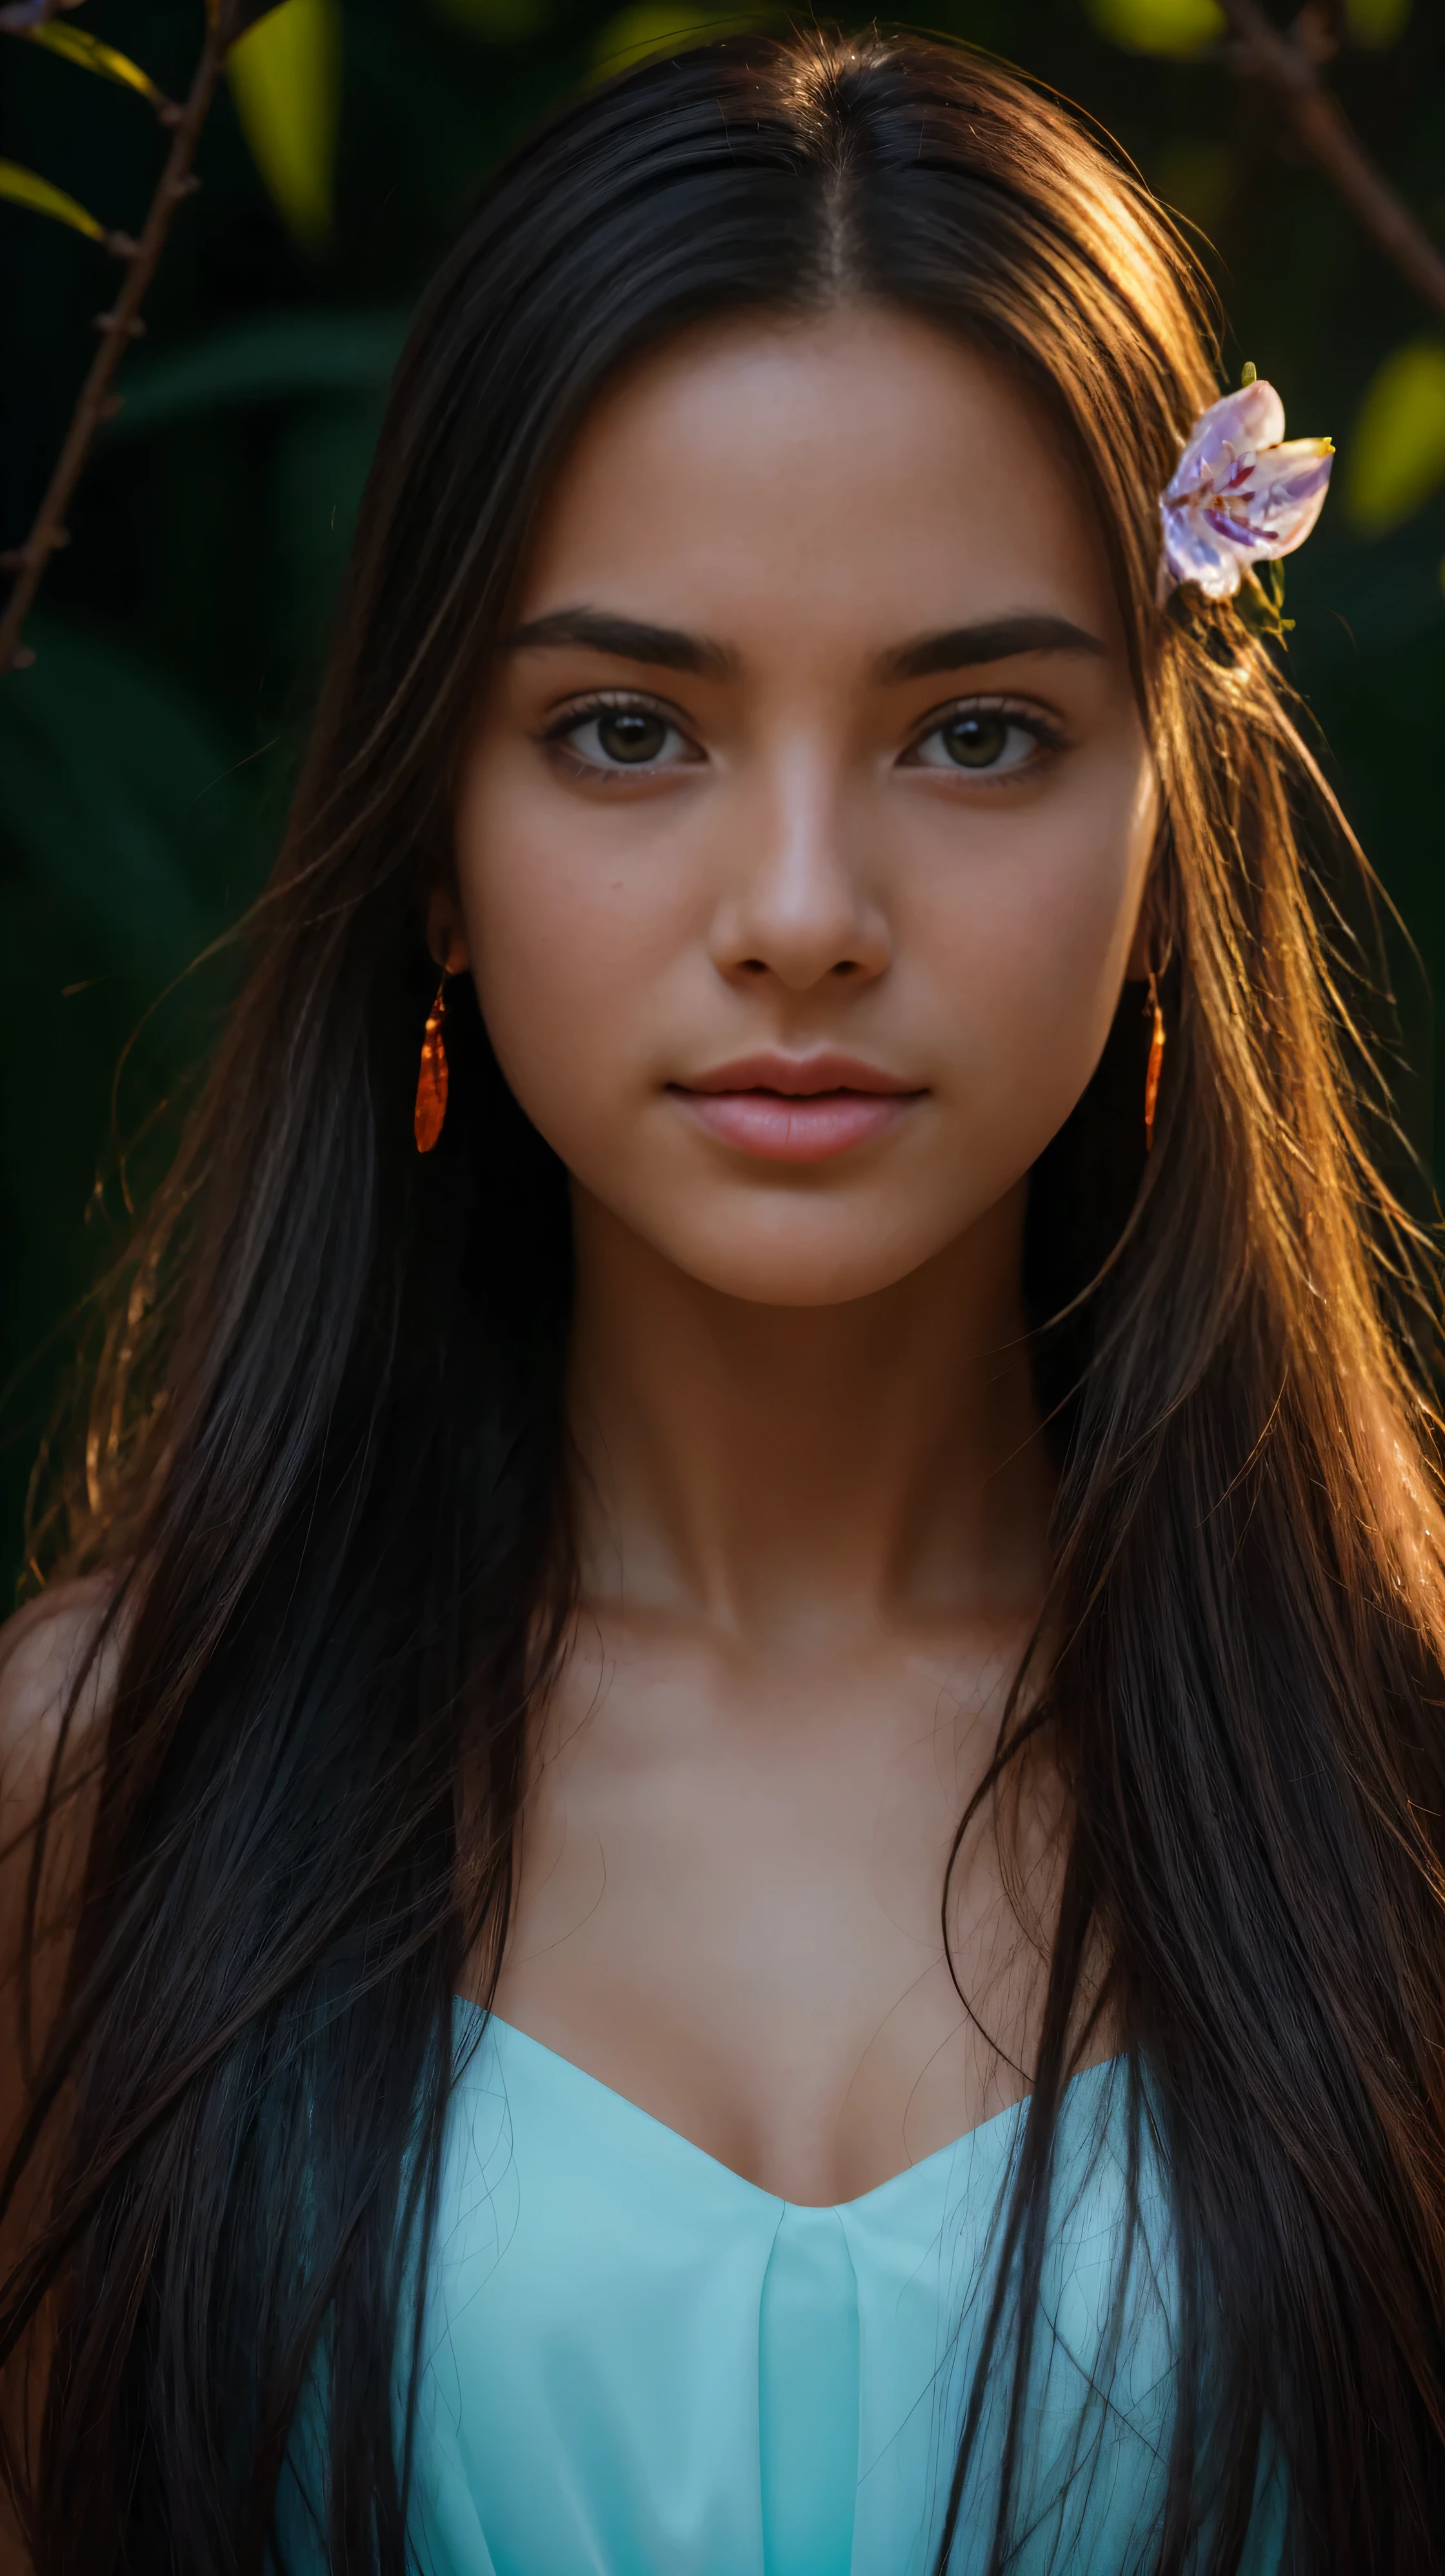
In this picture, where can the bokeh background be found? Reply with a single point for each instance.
(146, 756)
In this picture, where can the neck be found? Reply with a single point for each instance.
(786, 1469)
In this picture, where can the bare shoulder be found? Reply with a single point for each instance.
(57, 1641)
(58, 1660)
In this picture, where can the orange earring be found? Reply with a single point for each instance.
(1156, 1062)
(432, 1080)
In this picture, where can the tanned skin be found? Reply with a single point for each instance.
(810, 772)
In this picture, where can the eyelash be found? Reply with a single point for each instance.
(605, 702)
(1047, 735)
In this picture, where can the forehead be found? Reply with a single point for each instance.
(863, 470)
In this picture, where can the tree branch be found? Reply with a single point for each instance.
(1282, 64)
(118, 328)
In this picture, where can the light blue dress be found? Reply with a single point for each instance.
(638, 2364)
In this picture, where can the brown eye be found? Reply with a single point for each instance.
(609, 738)
(631, 734)
(981, 738)
(975, 742)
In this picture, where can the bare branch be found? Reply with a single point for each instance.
(117, 328)
(1289, 67)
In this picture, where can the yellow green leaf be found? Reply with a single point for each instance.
(78, 47)
(285, 75)
(1396, 457)
(27, 188)
(661, 26)
(1377, 23)
(1158, 26)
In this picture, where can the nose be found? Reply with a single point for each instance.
(797, 905)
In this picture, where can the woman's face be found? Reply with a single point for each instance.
(801, 840)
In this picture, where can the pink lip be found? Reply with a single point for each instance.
(796, 1109)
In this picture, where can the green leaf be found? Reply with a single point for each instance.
(128, 842)
(119, 800)
(1179, 27)
(1376, 24)
(1396, 457)
(264, 360)
(27, 188)
(659, 26)
(76, 46)
(285, 75)
(319, 466)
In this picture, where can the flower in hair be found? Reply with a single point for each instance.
(1240, 494)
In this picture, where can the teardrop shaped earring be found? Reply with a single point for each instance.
(433, 1078)
(1155, 1065)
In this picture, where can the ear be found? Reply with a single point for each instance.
(446, 934)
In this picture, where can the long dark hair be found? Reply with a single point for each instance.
(326, 1462)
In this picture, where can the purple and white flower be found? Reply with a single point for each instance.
(1240, 493)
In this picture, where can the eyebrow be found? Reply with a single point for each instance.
(668, 648)
(628, 638)
(998, 639)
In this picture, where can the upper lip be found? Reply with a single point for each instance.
(798, 1077)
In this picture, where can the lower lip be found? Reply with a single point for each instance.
(779, 1128)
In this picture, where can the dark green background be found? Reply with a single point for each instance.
(145, 759)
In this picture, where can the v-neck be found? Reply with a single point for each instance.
(993, 2131)
(633, 2356)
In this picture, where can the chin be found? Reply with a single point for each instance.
(781, 1266)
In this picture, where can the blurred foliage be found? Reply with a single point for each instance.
(145, 759)
(1158, 26)
(1377, 22)
(654, 26)
(1397, 450)
(42, 197)
(285, 77)
(77, 45)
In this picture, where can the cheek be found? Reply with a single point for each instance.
(570, 946)
(1025, 964)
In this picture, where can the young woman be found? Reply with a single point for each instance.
(726, 1858)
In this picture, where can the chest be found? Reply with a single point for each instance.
(731, 1897)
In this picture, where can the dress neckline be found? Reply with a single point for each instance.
(994, 2132)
